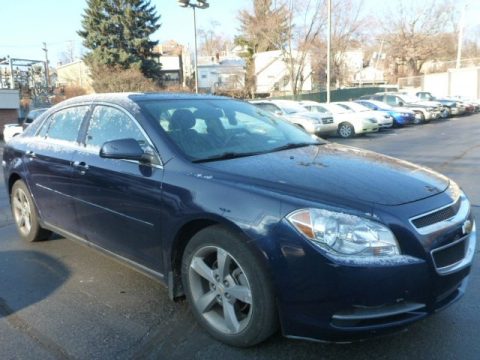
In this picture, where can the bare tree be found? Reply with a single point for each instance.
(418, 32)
(68, 54)
(305, 23)
(212, 42)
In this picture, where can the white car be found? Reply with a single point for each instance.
(11, 130)
(385, 121)
(314, 123)
(348, 123)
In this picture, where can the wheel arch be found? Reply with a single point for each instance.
(184, 235)
(14, 177)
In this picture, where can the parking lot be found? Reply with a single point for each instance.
(59, 299)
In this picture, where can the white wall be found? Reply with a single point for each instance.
(464, 82)
(436, 84)
(9, 99)
(170, 63)
(271, 69)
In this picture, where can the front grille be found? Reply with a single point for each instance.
(327, 120)
(450, 254)
(437, 216)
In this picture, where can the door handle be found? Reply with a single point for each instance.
(81, 166)
(30, 154)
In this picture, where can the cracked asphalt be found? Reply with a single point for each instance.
(61, 300)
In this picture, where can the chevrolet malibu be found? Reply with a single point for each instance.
(259, 225)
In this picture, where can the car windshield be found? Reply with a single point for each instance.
(354, 106)
(33, 114)
(291, 108)
(217, 129)
(409, 98)
(335, 109)
(381, 105)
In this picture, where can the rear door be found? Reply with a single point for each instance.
(118, 201)
(48, 161)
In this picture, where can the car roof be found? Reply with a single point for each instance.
(133, 97)
(309, 102)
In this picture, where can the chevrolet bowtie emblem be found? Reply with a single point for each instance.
(467, 227)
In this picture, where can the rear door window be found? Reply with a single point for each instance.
(64, 124)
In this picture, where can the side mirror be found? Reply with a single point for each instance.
(375, 107)
(125, 149)
(278, 112)
(400, 103)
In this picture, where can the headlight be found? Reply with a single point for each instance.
(344, 234)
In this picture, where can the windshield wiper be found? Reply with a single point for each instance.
(227, 155)
(294, 146)
(233, 155)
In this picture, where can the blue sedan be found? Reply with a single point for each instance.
(401, 116)
(259, 225)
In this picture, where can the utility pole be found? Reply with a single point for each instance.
(12, 79)
(47, 75)
(200, 4)
(329, 46)
(460, 37)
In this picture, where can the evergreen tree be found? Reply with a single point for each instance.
(266, 28)
(117, 33)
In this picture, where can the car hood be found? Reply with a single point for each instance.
(403, 110)
(335, 173)
(310, 115)
(427, 103)
(350, 117)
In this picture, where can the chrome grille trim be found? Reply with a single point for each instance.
(458, 218)
(471, 242)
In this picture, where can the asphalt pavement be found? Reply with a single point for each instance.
(62, 300)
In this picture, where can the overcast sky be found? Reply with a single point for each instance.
(26, 24)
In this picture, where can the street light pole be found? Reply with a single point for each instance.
(200, 4)
(329, 46)
(460, 38)
(196, 51)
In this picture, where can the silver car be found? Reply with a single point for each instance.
(314, 123)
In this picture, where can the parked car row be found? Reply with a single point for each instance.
(369, 113)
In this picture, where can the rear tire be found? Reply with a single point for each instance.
(228, 289)
(25, 214)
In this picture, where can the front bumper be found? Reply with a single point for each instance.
(366, 127)
(341, 299)
(386, 123)
(405, 119)
(458, 110)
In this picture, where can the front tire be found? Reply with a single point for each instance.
(227, 288)
(446, 113)
(25, 214)
(346, 130)
(419, 120)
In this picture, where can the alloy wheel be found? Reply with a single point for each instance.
(220, 290)
(22, 211)
(345, 131)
